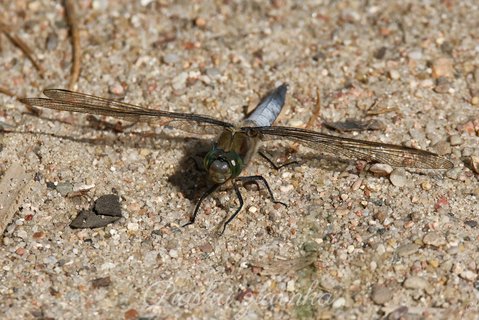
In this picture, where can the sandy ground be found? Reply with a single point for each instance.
(350, 245)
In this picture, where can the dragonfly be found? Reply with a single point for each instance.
(237, 144)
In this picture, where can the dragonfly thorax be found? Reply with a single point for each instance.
(221, 165)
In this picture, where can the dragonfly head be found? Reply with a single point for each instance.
(221, 165)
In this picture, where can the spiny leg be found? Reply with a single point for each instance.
(275, 166)
(254, 179)
(203, 196)
(241, 202)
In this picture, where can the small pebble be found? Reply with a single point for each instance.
(443, 147)
(150, 258)
(434, 239)
(213, 73)
(381, 294)
(455, 140)
(468, 275)
(380, 53)
(200, 22)
(206, 248)
(133, 226)
(381, 169)
(471, 223)
(64, 188)
(398, 177)
(394, 74)
(52, 41)
(442, 67)
(173, 253)
(290, 286)
(108, 266)
(426, 185)
(286, 189)
(310, 246)
(454, 173)
(415, 282)
(415, 54)
(407, 249)
(443, 85)
(101, 282)
(350, 248)
(339, 303)
(50, 260)
(179, 82)
(38, 235)
(171, 58)
(380, 249)
(117, 89)
(22, 234)
(131, 314)
(474, 163)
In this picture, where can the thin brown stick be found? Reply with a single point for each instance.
(7, 92)
(316, 111)
(75, 39)
(312, 119)
(19, 43)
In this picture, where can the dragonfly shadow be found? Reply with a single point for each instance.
(132, 139)
(285, 159)
(190, 177)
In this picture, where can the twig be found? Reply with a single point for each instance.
(75, 39)
(9, 93)
(316, 112)
(19, 43)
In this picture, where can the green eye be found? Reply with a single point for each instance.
(231, 159)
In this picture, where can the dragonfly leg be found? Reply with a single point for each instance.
(241, 202)
(197, 208)
(261, 178)
(275, 166)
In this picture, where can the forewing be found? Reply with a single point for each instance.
(64, 100)
(347, 148)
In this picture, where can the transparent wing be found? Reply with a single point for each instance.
(348, 148)
(65, 100)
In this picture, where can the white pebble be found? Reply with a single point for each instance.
(133, 226)
(339, 303)
(290, 286)
(286, 189)
(252, 209)
(350, 248)
(173, 253)
(468, 275)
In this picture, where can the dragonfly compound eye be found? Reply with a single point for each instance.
(219, 171)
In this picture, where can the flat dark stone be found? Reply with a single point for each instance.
(101, 282)
(87, 219)
(471, 223)
(108, 205)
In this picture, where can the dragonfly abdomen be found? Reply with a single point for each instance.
(268, 110)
